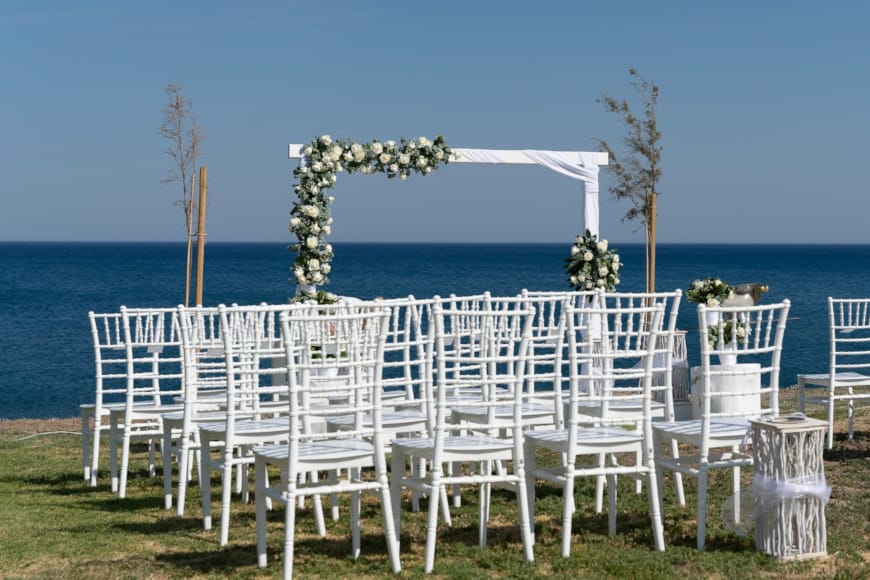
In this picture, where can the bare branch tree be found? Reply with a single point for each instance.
(186, 137)
(637, 175)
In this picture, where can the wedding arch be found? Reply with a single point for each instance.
(320, 160)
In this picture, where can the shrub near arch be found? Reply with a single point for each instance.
(324, 157)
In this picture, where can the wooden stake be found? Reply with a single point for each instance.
(200, 233)
(188, 211)
(651, 263)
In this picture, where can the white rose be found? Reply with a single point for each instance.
(424, 142)
(581, 277)
(329, 221)
(311, 242)
(377, 148)
(600, 283)
(575, 250)
(308, 151)
(574, 280)
(422, 162)
(331, 199)
(427, 170)
(314, 264)
(615, 266)
(325, 268)
(589, 284)
(295, 221)
(317, 277)
(315, 229)
(303, 170)
(697, 284)
(339, 167)
(337, 152)
(390, 144)
(384, 158)
(326, 139)
(439, 154)
(394, 168)
(317, 167)
(588, 256)
(580, 240)
(404, 159)
(348, 156)
(327, 230)
(298, 271)
(603, 271)
(712, 302)
(356, 148)
(602, 246)
(328, 248)
(403, 177)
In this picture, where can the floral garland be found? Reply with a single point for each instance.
(591, 265)
(711, 291)
(324, 157)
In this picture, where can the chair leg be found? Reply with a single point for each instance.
(166, 453)
(95, 448)
(526, 521)
(831, 420)
(354, 522)
(86, 445)
(260, 509)
(184, 458)
(567, 512)
(678, 477)
(226, 497)
(432, 521)
(599, 487)
(289, 532)
(702, 507)
(654, 486)
(125, 464)
(390, 533)
(529, 471)
(611, 505)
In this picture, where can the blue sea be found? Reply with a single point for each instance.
(47, 289)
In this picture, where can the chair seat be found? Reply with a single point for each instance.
(321, 451)
(843, 379)
(389, 420)
(608, 437)
(247, 427)
(725, 431)
(528, 410)
(476, 445)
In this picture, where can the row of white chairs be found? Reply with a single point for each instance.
(459, 391)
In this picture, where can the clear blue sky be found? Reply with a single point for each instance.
(764, 109)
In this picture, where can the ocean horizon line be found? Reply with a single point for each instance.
(432, 243)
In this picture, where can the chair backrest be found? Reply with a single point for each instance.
(406, 347)
(205, 371)
(850, 336)
(355, 335)
(254, 359)
(110, 359)
(152, 344)
(481, 357)
(749, 385)
(611, 351)
(663, 360)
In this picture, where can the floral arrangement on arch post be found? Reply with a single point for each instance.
(324, 157)
(711, 292)
(592, 265)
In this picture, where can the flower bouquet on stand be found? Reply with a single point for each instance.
(710, 292)
(592, 265)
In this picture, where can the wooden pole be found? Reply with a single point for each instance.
(651, 264)
(200, 233)
(188, 214)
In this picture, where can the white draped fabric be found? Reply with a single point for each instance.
(576, 165)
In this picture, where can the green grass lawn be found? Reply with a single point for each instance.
(52, 525)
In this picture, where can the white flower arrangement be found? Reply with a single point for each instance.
(592, 265)
(729, 335)
(712, 291)
(324, 157)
